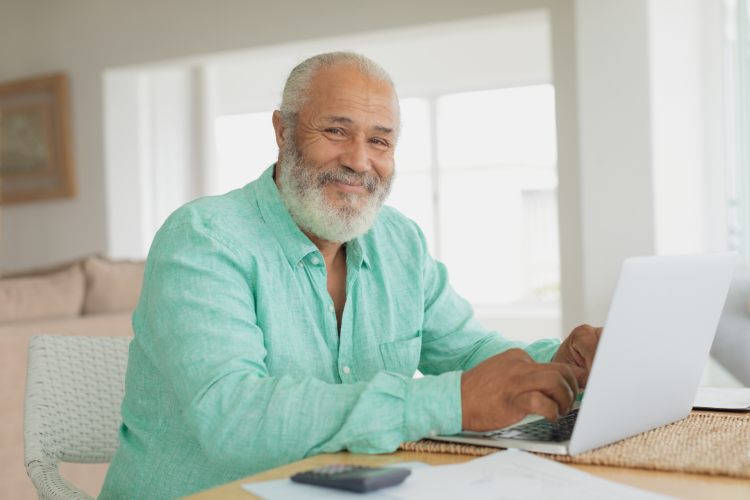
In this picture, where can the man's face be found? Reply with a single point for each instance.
(337, 165)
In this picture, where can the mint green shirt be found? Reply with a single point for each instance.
(237, 364)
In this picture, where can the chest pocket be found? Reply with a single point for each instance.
(402, 356)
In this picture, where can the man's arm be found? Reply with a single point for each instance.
(196, 322)
(452, 338)
(502, 380)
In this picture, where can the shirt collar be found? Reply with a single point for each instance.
(356, 253)
(294, 243)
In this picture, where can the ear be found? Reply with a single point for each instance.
(279, 129)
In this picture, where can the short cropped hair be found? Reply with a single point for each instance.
(297, 87)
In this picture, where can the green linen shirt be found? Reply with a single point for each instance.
(238, 366)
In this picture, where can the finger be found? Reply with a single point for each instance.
(584, 344)
(516, 354)
(585, 350)
(575, 355)
(579, 373)
(537, 403)
(551, 382)
(572, 374)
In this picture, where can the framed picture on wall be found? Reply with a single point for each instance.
(36, 161)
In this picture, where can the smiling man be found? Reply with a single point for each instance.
(287, 318)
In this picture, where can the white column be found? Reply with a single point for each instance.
(617, 197)
(151, 155)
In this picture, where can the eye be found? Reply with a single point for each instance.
(380, 143)
(334, 131)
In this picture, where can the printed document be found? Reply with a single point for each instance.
(504, 475)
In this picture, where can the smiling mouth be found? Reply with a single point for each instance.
(350, 188)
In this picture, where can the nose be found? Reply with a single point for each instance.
(355, 155)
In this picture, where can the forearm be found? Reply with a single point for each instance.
(278, 419)
(541, 351)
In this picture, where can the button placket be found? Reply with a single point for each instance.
(316, 274)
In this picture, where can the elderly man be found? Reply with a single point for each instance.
(287, 318)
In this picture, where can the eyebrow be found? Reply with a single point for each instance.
(345, 119)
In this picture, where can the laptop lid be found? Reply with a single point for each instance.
(654, 346)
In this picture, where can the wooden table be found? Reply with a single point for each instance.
(669, 483)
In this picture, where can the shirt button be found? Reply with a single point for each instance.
(314, 261)
(300, 264)
(433, 433)
(346, 370)
(331, 308)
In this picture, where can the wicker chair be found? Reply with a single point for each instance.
(74, 389)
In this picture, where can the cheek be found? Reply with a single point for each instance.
(318, 149)
(384, 167)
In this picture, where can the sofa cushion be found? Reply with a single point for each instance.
(112, 286)
(57, 294)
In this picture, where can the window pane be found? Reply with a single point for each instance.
(412, 195)
(413, 149)
(513, 126)
(245, 146)
(541, 245)
(498, 237)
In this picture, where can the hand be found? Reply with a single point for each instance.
(505, 388)
(579, 349)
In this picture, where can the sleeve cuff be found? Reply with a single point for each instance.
(542, 351)
(433, 406)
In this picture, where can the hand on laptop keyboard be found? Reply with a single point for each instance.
(578, 349)
(505, 388)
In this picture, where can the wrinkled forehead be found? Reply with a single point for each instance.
(343, 90)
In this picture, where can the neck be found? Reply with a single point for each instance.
(329, 249)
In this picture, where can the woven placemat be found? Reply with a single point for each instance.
(703, 443)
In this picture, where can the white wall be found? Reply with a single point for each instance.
(615, 146)
(688, 164)
(649, 116)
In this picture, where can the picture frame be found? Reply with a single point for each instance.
(36, 158)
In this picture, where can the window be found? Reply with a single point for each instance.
(497, 180)
(245, 145)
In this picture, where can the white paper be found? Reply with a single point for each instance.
(509, 474)
(723, 398)
(512, 474)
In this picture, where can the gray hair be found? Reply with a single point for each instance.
(297, 87)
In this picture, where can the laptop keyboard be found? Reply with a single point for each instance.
(541, 430)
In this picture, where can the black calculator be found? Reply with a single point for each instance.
(353, 477)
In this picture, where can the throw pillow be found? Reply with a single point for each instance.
(57, 294)
(112, 286)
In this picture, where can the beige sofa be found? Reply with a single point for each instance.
(93, 296)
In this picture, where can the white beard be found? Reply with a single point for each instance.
(302, 189)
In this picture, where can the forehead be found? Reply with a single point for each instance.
(342, 90)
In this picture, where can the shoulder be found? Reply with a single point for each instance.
(228, 219)
(395, 232)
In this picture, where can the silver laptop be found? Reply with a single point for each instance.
(649, 362)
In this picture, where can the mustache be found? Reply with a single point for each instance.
(368, 181)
